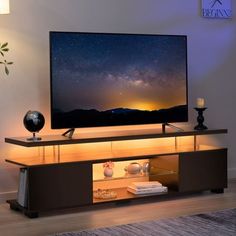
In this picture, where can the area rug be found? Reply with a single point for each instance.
(221, 223)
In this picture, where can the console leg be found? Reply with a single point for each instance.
(14, 207)
(31, 214)
(218, 190)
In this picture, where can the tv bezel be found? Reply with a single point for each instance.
(105, 125)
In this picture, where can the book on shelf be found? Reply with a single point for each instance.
(155, 190)
(146, 184)
(147, 187)
(22, 188)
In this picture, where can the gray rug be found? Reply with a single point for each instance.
(221, 223)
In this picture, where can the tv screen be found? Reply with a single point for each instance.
(108, 79)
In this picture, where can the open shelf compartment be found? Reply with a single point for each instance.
(118, 183)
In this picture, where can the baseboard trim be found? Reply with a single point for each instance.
(7, 195)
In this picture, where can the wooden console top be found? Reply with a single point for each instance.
(50, 140)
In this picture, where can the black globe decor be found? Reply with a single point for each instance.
(34, 122)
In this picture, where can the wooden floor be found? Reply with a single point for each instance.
(14, 224)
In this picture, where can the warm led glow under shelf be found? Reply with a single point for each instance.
(106, 156)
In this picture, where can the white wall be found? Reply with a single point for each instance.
(211, 58)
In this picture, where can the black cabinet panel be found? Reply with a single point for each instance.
(203, 170)
(59, 186)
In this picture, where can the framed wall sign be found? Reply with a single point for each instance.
(216, 8)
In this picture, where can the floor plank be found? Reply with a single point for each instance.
(15, 224)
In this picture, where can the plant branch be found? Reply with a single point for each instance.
(4, 49)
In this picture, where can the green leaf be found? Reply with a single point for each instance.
(4, 49)
(6, 70)
(4, 45)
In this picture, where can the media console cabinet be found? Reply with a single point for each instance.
(65, 181)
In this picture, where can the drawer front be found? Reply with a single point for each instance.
(203, 170)
(59, 186)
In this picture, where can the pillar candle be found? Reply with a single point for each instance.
(200, 102)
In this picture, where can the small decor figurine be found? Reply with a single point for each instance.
(108, 168)
(133, 168)
(146, 167)
(104, 194)
(34, 122)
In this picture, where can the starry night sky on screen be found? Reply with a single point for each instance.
(107, 71)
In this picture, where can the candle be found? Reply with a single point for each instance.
(200, 102)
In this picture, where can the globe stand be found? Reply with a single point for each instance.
(34, 138)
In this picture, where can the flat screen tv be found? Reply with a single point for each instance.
(109, 79)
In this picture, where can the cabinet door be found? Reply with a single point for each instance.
(203, 170)
(59, 186)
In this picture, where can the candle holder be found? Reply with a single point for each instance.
(200, 118)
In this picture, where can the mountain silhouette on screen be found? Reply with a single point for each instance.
(118, 116)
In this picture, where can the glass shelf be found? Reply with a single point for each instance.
(158, 171)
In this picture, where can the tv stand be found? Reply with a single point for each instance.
(71, 180)
(172, 126)
(70, 132)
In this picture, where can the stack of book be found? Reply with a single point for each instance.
(23, 188)
(149, 187)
